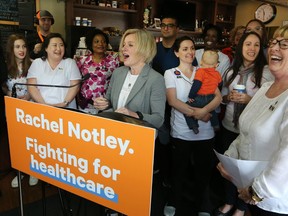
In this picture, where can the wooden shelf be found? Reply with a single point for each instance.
(224, 22)
(94, 7)
(4, 22)
(158, 31)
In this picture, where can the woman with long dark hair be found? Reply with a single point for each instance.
(249, 69)
(18, 62)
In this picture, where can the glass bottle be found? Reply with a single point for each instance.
(132, 5)
(102, 3)
(108, 3)
(119, 5)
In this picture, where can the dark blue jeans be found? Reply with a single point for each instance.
(201, 101)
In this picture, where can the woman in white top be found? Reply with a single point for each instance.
(18, 62)
(185, 143)
(264, 135)
(54, 69)
(249, 70)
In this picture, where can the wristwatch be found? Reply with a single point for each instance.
(140, 115)
(254, 195)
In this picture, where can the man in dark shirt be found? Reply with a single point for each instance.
(44, 19)
(165, 57)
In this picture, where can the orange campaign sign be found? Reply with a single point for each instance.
(103, 160)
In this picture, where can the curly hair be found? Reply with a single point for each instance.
(210, 26)
(12, 66)
(90, 36)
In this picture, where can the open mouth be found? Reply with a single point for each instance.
(275, 58)
(251, 54)
(126, 56)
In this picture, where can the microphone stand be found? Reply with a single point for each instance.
(14, 94)
(20, 193)
(19, 176)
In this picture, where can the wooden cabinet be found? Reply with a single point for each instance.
(218, 12)
(221, 13)
(103, 16)
(224, 16)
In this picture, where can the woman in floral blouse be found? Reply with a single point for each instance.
(100, 65)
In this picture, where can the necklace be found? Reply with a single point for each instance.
(131, 79)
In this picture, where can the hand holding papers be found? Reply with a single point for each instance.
(242, 172)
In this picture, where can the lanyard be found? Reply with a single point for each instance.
(40, 36)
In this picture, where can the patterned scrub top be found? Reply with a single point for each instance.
(100, 74)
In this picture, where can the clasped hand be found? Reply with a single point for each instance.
(101, 103)
(237, 97)
(199, 113)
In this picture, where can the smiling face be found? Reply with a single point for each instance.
(20, 49)
(250, 49)
(278, 57)
(99, 44)
(256, 27)
(186, 52)
(45, 24)
(210, 39)
(129, 51)
(169, 28)
(55, 49)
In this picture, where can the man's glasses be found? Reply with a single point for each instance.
(283, 44)
(163, 25)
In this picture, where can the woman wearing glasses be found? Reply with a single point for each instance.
(249, 70)
(257, 26)
(264, 135)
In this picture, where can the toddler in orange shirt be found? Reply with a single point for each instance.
(207, 80)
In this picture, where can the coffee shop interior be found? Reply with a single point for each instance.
(73, 19)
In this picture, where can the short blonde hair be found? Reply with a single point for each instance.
(145, 43)
(210, 58)
(282, 32)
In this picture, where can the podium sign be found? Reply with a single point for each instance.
(103, 160)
